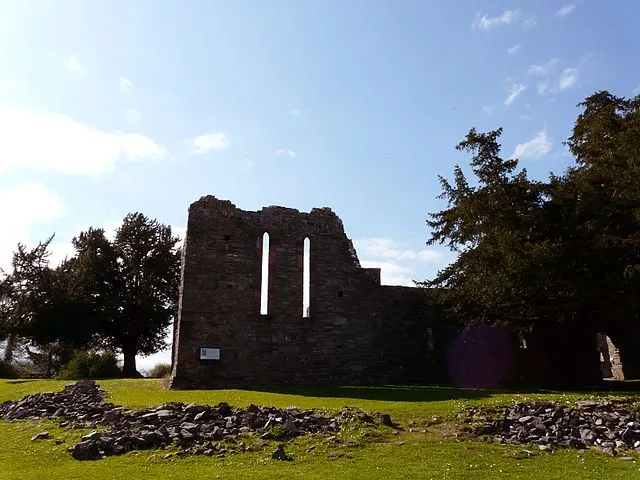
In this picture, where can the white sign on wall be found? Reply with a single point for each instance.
(207, 353)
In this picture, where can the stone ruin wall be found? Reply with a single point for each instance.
(609, 358)
(357, 330)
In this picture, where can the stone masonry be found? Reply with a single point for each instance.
(356, 330)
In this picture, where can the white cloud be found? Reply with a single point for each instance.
(537, 147)
(126, 85)
(288, 153)
(487, 23)
(543, 87)
(543, 69)
(566, 10)
(133, 115)
(295, 112)
(398, 263)
(247, 163)
(530, 22)
(52, 142)
(636, 91)
(515, 91)
(208, 143)
(391, 273)
(488, 109)
(388, 248)
(568, 78)
(514, 50)
(74, 65)
(23, 207)
(60, 251)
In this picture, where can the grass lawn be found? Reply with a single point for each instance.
(435, 454)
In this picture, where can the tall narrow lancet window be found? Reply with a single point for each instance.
(264, 284)
(306, 277)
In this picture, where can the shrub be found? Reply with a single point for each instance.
(7, 370)
(160, 370)
(91, 365)
(277, 432)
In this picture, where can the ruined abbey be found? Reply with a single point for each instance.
(258, 309)
(353, 329)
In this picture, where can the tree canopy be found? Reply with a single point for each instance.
(133, 284)
(118, 295)
(536, 253)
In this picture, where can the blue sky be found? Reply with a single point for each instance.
(109, 107)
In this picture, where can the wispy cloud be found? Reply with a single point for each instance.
(514, 50)
(508, 17)
(74, 65)
(484, 22)
(392, 273)
(636, 91)
(544, 86)
(247, 163)
(53, 142)
(488, 109)
(399, 265)
(384, 247)
(126, 85)
(514, 92)
(295, 112)
(543, 69)
(568, 78)
(287, 152)
(537, 147)
(566, 10)
(208, 143)
(530, 21)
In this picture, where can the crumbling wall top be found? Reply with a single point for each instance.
(208, 202)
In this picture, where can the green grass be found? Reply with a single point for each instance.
(386, 455)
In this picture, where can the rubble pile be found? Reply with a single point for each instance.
(612, 426)
(196, 429)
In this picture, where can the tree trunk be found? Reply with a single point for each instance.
(49, 361)
(129, 366)
(9, 347)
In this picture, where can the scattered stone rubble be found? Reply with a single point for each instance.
(612, 426)
(196, 429)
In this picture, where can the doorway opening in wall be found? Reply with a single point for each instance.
(306, 277)
(264, 283)
(610, 363)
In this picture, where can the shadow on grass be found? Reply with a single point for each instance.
(436, 393)
(28, 380)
